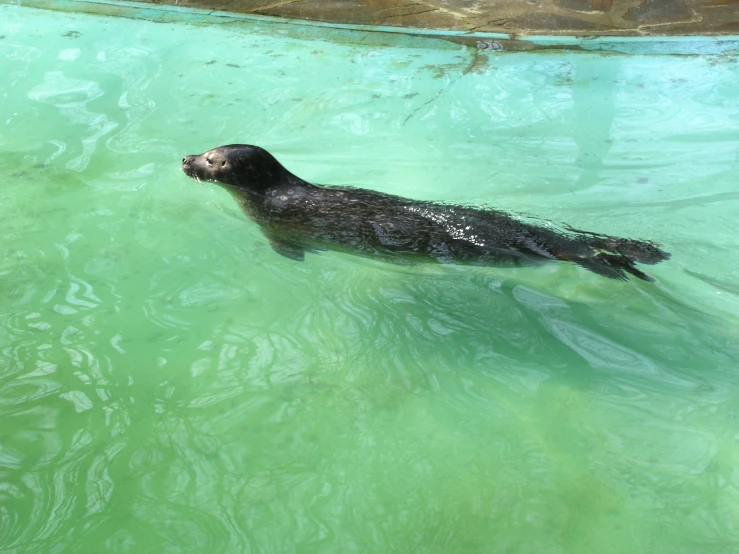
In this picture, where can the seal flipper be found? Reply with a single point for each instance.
(612, 266)
(287, 249)
(641, 251)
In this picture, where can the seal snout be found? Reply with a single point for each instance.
(188, 161)
(189, 166)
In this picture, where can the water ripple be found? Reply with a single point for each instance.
(71, 97)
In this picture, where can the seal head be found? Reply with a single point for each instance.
(243, 167)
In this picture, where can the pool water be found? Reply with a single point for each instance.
(168, 383)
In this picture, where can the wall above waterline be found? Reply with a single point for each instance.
(488, 43)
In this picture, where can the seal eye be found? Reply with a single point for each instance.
(210, 164)
(223, 163)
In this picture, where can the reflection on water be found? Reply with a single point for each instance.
(169, 383)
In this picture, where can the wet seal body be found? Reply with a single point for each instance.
(298, 217)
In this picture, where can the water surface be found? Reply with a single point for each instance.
(168, 383)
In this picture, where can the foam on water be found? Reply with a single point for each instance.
(169, 383)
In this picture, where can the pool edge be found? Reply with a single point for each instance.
(485, 42)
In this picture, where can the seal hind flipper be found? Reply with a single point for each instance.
(609, 256)
(641, 251)
(645, 252)
(612, 266)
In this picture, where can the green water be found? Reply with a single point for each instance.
(170, 384)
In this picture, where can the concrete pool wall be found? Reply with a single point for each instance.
(316, 24)
(517, 17)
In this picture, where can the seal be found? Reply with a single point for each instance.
(298, 217)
